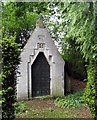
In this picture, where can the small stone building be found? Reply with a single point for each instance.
(41, 68)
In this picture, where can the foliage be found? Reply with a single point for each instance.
(58, 25)
(77, 29)
(70, 48)
(10, 61)
(75, 64)
(20, 18)
(80, 30)
(71, 100)
(20, 107)
(90, 95)
(80, 23)
(40, 109)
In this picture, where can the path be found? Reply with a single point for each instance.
(39, 108)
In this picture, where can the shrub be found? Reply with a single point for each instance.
(90, 95)
(10, 61)
(71, 100)
(20, 107)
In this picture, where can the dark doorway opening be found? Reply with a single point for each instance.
(40, 70)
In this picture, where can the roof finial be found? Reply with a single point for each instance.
(40, 22)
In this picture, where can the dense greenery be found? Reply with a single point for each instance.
(72, 100)
(58, 24)
(78, 33)
(75, 29)
(10, 61)
(20, 107)
(80, 24)
(75, 64)
(90, 96)
(20, 18)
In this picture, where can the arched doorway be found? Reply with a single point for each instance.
(40, 70)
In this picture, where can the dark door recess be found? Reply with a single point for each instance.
(40, 76)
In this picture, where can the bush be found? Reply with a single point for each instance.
(90, 95)
(20, 107)
(71, 100)
(10, 61)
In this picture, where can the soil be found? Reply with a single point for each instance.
(41, 104)
(77, 85)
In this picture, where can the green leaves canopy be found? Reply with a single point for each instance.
(20, 18)
(79, 21)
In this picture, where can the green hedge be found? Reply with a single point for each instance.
(90, 95)
(10, 61)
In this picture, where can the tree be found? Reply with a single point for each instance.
(20, 18)
(58, 25)
(82, 28)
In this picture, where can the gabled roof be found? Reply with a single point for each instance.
(40, 35)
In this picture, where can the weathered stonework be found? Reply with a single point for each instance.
(40, 41)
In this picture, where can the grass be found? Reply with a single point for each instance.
(46, 107)
(51, 113)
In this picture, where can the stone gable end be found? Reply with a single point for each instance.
(41, 68)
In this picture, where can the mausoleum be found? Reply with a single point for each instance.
(41, 67)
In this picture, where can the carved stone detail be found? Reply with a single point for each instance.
(40, 22)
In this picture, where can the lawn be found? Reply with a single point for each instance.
(48, 108)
